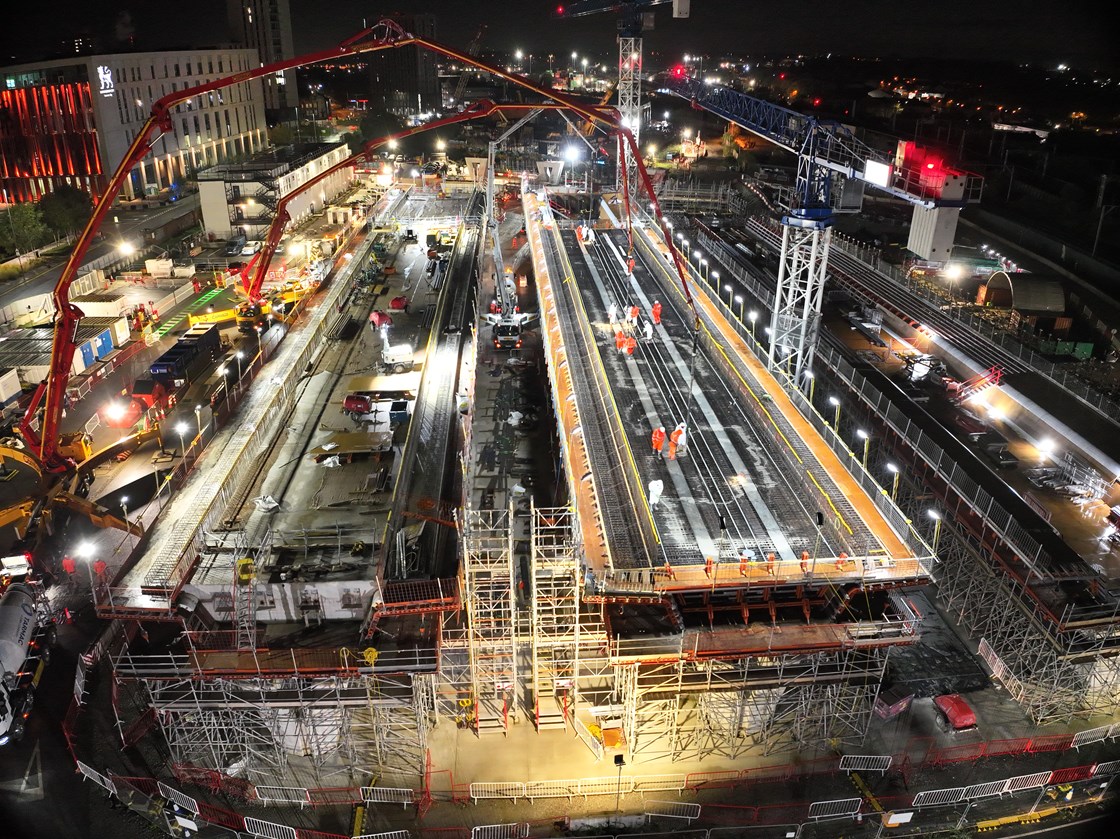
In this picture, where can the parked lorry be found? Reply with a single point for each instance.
(27, 633)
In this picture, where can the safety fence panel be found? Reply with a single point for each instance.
(763, 774)
(99, 779)
(283, 795)
(180, 798)
(221, 816)
(712, 780)
(1032, 781)
(1050, 743)
(1109, 767)
(744, 832)
(335, 795)
(1092, 735)
(605, 786)
(937, 797)
(672, 810)
(399, 795)
(551, 789)
(658, 783)
(1071, 774)
(498, 789)
(835, 808)
(986, 790)
(391, 834)
(957, 754)
(269, 830)
(500, 831)
(998, 748)
(865, 763)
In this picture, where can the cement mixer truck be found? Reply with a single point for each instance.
(27, 633)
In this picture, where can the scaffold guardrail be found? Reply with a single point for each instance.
(269, 830)
(865, 763)
(388, 795)
(519, 830)
(283, 795)
(673, 810)
(180, 798)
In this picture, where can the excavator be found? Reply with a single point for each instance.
(58, 466)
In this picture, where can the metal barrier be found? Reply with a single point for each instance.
(1093, 735)
(605, 786)
(519, 830)
(1050, 743)
(938, 797)
(388, 795)
(1020, 782)
(182, 799)
(835, 808)
(1070, 774)
(269, 830)
(987, 790)
(500, 789)
(283, 795)
(658, 783)
(1109, 767)
(551, 789)
(672, 810)
(101, 780)
(865, 763)
(713, 780)
(390, 834)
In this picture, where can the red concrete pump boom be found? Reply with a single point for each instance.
(385, 34)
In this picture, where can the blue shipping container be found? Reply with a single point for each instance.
(103, 344)
(86, 350)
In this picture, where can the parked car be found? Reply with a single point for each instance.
(251, 248)
(955, 711)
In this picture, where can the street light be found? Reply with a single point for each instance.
(619, 761)
(832, 400)
(181, 429)
(753, 317)
(729, 291)
(85, 552)
(198, 419)
(936, 516)
(739, 299)
(894, 486)
(863, 435)
(703, 265)
(812, 384)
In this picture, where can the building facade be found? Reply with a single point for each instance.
(72, 120)
(405, 80)
(242, 197)
(266, 27)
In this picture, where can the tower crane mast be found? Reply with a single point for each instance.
(633, 19)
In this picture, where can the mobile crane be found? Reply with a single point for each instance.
(42, 436)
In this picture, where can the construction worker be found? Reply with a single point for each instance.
(840, 560)
(620, 341)
(656, 312)
(770, 564)
(708, 566)
(629, 266)
(744, 558)
(656, 488)
(804, 562)
(631, 344)
(658, 440)
(669, 571)
(634, 315)
(678, 435)
(675, 441)
(612, 313)
(649, 330)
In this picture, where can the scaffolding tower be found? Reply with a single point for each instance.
(488, 582)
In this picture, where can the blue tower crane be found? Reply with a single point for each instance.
(830, 160)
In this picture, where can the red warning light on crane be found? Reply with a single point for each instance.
(678, 71)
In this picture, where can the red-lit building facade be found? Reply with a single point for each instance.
(71, 120)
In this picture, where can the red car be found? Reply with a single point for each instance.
(957, 712)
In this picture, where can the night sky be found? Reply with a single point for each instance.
(1036, 31)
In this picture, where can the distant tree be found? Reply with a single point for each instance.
(280, 135)
(23, 230)
(374, 124)
(66, 210)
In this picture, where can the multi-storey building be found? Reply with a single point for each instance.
(266, 27)
(242, 196)
(405, 80)
(72, 120)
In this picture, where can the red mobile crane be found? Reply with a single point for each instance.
(385, 34)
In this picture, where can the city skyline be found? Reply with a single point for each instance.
(960, 30)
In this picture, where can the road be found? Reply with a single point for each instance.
(120, 226)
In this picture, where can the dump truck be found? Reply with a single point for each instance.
(27, 633)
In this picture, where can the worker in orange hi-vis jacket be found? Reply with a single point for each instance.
(658, 440)
(770, 564)
(630, 265)
(840, 560)
(708, 566)
(631, 345)
(620, 340)
(804, 562)
(634, 312)
(656, 312)
(676, 439)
